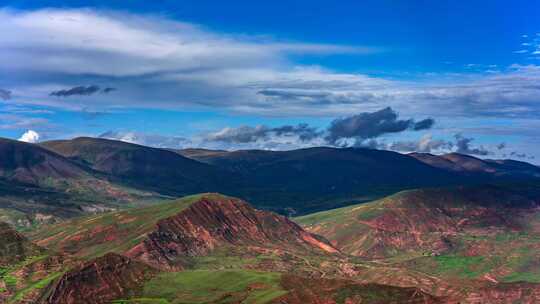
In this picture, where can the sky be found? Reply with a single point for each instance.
(426, 76)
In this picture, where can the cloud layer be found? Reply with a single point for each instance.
(69, 59)
(166, 64)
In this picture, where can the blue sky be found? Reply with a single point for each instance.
(228, 74)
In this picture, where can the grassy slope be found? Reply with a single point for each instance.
(342, 225)
(508, 255)
(204, 286)
(93, 236)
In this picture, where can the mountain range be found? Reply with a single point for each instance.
(465, 244)
(54, 180)
(100, 221)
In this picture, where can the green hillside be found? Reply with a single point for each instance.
(92, 236)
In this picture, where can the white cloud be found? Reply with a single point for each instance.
(30, 136)
(152, 140)
(119, 44)
(159, 63)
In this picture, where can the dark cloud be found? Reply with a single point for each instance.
(79, 90)
(370, 144)
(370, 125)
(424, 124)
(501, 146)
(359, 127)
(518, 155)
(463, 145)
(108, 90)
(248, 134)
(5, 94)
(303, 130)
(521, 155)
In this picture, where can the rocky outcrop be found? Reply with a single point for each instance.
(102, 280)
(216, 221)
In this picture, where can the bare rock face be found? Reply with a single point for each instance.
(102, 280)
(218, 221)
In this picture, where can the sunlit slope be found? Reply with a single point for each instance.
(92, 236)
(467, 232)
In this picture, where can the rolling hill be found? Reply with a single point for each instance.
(142, 167)
(481, 233)
(65, 178)
(38, 185)
(205, 248)
(25, 268)
(439, 245)
(480, 168)
(191, 226)
(312, 179)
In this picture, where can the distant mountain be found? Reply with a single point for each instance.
(142, 167)
(65, 178)
(307, 180)
(32, 164)
(466, 164)
(45, 185)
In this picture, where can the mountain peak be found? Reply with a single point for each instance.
(216, 221)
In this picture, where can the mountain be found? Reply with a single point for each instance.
(487, 232)
(307, 180)
(31, 164)
(38, 185)
(101, 280)
(470, 165)
(474, 244)
(25, 268)
(61, 179)
(142, 167)
(191, 226)
(117, 279)
(222, 222)
(289, 182)
(205, 248)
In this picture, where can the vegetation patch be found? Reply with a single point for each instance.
(40, 284)
(463, 266)
(204, 286)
